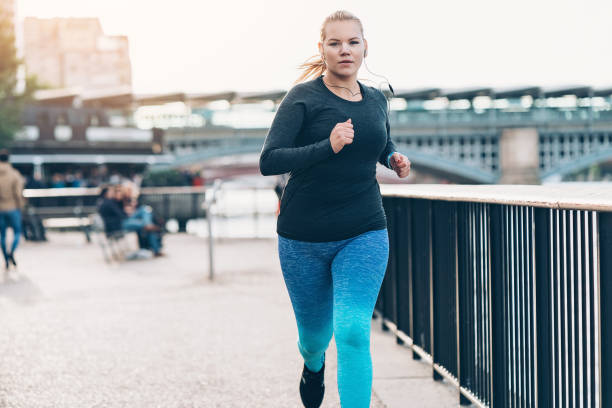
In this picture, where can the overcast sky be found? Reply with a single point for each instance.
(246, 45)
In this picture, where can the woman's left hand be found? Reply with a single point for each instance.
(400, 164)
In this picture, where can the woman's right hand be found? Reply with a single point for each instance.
(341, 135)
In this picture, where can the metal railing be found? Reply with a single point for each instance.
(504, 290)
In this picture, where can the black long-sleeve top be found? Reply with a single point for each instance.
(329, 196)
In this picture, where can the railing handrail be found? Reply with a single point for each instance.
(61, 192)
(596, 197)
(94, 191)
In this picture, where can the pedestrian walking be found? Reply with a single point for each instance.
(11, 203)
(329, 132)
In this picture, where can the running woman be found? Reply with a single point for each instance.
(329, 132)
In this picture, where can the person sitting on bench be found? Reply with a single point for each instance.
(119, 217)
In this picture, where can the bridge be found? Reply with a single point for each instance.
(515, 144)
(477, 135)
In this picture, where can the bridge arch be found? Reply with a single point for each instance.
(445, 167)
(201, 156)
(449, 168)
(580, 163)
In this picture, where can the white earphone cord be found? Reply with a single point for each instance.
(380, 86)
(380, 76)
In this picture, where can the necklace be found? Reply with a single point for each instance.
(344, 87)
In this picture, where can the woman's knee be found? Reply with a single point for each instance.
(318, 334)
(313, 345)
(353, 333)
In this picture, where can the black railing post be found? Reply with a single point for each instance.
(463, 325)
(402, 266)
(443, 286)
(543, 242)
(498, 311)
(388, 287)
(605, 313)
(380, 302)
(392, 294)
(409, 304)
(421, 274)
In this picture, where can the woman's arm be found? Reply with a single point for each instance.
(279, 154)
(390, 148)
(393, 159)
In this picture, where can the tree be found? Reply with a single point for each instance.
(11, 101)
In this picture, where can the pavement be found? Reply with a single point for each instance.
(78, 332)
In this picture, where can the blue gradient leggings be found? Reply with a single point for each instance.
(333, 288)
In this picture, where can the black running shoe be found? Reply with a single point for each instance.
(312, 387)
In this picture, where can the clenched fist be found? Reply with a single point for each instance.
(341, 135)
(400, 164)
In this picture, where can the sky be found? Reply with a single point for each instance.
(246, 45)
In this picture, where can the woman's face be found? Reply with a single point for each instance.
(343, 48)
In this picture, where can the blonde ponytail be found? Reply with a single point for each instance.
(314, 66)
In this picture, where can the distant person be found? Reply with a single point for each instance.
(58, 181)
(197, 180)
(333, 244)
(94, 179)
(139, 218)
(32, 225)
(77, 180)
(187, 178)
(111, 211)
(11, 203)
(69, 179)
(35, 181)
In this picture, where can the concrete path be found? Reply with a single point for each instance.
(76, 332)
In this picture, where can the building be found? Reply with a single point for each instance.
(7, 9)
(74, 52)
